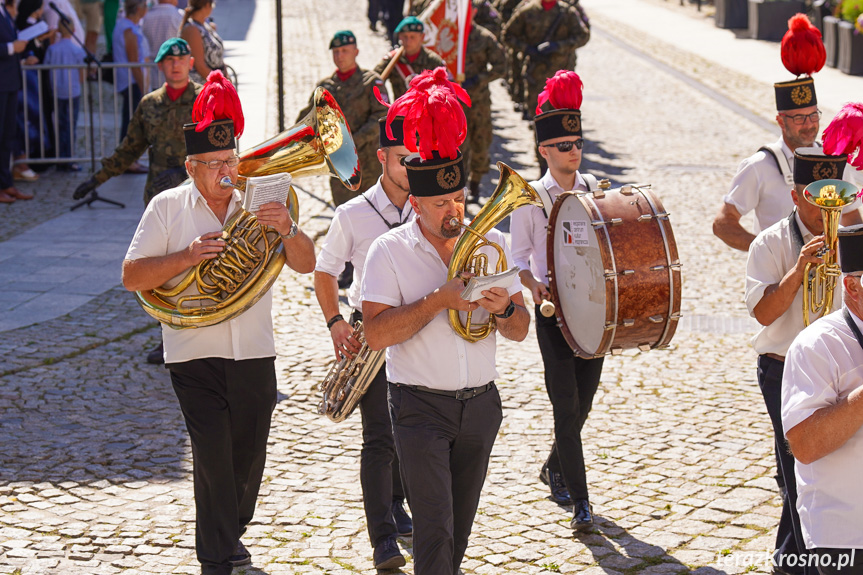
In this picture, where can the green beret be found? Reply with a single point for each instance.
(173, 47)
(410, 24)
(343, 38)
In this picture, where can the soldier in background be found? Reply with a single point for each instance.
(547, 33)
(353, 90)
(514, 79)
(415, 59)
(485, 14)
(484, 63)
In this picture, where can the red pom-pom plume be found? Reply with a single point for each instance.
(218, 101)
(844, 135)
(432, 114)
(563, 90)
(802, 48)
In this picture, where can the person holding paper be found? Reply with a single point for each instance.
(570, 381)
(224, 375)
(355, 226)
(444, 405)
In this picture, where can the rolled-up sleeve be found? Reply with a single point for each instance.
(745, 187)
(338, 245)
(806, 381)
(762, 271)
(151, 236)
(521, 232)
(380, 282)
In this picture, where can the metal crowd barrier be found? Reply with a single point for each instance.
(99, 116)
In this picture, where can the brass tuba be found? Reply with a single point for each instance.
(226, 286)
(831, 196)
(349, 379)
(512, 193)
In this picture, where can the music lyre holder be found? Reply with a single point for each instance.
(91, 59)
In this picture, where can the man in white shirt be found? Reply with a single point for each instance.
(356, 224)
(822, 413)
(774, 296)
(443, 402)
(223, 375)
(570, 381)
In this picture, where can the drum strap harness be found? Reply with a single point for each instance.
(853, 325)
(775, 150)
(547, 203)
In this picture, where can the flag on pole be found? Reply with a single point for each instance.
(447, 25)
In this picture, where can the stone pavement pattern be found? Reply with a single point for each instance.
(95, 470)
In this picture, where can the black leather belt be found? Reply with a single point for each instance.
(466, 393)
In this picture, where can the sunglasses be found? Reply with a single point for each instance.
(565, 146)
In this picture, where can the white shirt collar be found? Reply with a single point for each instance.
(552, 186)
(804, 231)
(196, 197)
(380, 200)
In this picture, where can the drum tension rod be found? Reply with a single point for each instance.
(645, 217)
(611, 222)
(611, 274)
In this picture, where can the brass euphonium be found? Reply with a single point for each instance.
(226, 286)
(831, 196)
(512, 193)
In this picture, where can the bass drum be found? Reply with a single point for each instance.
(614, 272)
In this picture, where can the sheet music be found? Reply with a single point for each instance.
(262, 190)
(33, 31)
(478, 284)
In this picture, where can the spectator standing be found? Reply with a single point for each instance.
(207, 48)
(130, 46)
(162, 23)
(10, 82)
(66, 84)
(92, 11)
(52, 18)
(110, 11)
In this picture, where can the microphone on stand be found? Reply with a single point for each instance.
(63, 18)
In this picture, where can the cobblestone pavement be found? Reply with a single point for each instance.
(95, 468)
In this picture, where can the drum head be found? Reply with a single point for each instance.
(577, 275)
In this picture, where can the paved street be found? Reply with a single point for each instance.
(95, 469)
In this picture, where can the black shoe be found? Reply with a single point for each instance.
(157, 355)
(404, 525)
(241, 556)
(582, 518)
(387, 554)
(554, 480)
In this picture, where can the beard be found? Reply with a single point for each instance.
(449, 233)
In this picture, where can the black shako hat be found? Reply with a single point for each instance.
(557, 124)
(218, 136)
(812, 164)
(795, 94)
(851, 249)
(398, 128)
(562, 99)
(803, 54)
(435, 176)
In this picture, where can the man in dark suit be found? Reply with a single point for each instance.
(10, 83)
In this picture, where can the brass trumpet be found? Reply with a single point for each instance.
(831, 196)
(512, 192)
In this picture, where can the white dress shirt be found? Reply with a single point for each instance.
(403, 267)
(771, 255)
(353, 229)
(172, 220)
(161, 23)
(528, 230)
(823, 366)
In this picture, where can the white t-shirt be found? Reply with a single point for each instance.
(172, 220)
(403, 267)
(353, 229)
(823, 366)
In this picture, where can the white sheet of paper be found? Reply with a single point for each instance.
(33, 31)
(478, 284)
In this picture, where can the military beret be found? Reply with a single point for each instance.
(343, 38)
(172, 47)
(410, 24)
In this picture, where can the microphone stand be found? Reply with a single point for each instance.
(91, 59)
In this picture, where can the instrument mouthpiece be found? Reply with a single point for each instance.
(454, 222)
(226, 182)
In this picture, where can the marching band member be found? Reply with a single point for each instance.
(774, 296)
(355, 226)
(415, 59)
(444, 406)
(570, 381)
(822, 414)
(224, 375)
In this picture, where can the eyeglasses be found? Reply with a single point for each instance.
(565, 146)
(800, 119)
(217, 164)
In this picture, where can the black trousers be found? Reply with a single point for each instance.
(228, 406)
(838, 561)
(444, 445)
(8, 125)
(789, 536)
(571, 383)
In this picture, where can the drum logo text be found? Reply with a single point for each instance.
(575, 233)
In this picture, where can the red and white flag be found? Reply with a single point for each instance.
(447, 24)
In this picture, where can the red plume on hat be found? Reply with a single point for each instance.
(844, 135)
(218, 100)
(563, 90)
(802, 48)
(432, 114)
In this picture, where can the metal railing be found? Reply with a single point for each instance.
(99, 116)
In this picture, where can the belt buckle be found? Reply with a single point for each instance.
(468, 393)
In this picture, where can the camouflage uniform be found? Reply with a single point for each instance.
(426, 60)
(484, 64)
(356, 98)
(157, 124)
(527, 29)
(514, 79)
(487, 16)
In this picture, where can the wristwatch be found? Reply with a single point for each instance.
(510, 309)
(294, 229)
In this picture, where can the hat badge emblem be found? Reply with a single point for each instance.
(801, 95)
(219, 136)
(824, 171)
(448, 179)
(571, 123)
